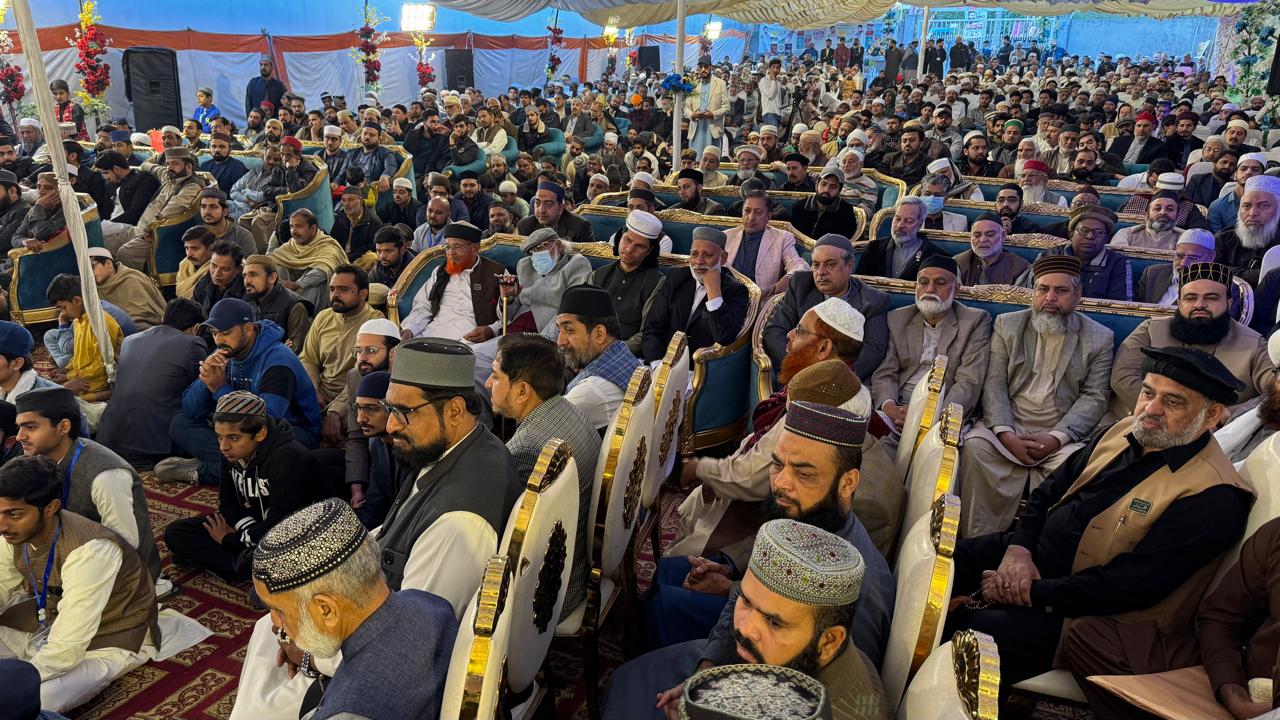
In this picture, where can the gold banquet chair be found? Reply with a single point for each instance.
(959, 681)
(474, 687)
(538, 542)
(923, 408)
(670, 388)
(925, 572)
(620, 478)
(935, 467)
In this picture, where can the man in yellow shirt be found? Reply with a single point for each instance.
(86, 373)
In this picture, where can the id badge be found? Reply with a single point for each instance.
(41, 637)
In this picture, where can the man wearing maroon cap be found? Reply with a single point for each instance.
(1033, 176)
(1140, 148)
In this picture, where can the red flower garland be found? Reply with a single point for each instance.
(12, 84)
(369, 55)
(426, 74)
(556, 40)
(91, 44)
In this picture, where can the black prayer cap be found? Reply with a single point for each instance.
(796, 157)
(693, 174)
(1196, 369)
(49, 401)
(1014, 187)
(988, 217)
(462, 231)
(642, 194)
(587, 300)
(942, 262)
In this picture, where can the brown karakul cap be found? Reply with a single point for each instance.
(1103, 215)
(1049, 264)
(829, 382)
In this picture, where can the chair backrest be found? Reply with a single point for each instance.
(922, 410)
(679, 225)
(1270, 261)
(925, 572)
(670, 385)
(1199, 168)
(1259, 471)
(959, 681)
(1243, 312)
(763, 364)
(474, 686)
(935, 469)
(620, 475)
(540, 536)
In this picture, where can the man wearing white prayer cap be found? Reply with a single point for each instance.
(769, 143)
(374, 341)
(710, 167)
(1224, 210)
(1159, 282)
(1234, 136)
(633, 279)
(643, 180)
(748, 157)
(1243, 246)
(31, 136)
(597, 185)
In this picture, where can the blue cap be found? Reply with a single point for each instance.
(121, 136)
(19, 689)
(374, 385)
(15, 340)
(228, 313)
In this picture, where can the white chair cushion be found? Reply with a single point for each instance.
(933, 694)
(922, 476)
(572, 624)
(915, 564)
(1055, 683)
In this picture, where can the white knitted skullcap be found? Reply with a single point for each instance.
(842, 316)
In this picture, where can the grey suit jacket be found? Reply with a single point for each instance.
(802, 296)
(965, 338)
(1083, 387)
(1154, 283)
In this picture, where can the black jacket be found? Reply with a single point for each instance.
(815, 221)
(136, 192)
(430, 151)
(1153, 149)
(356, 240)
(875, 260)
(281, 478)
(673, 311)
(90, 181)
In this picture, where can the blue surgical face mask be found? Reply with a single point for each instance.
(543, 262)
(933, 203)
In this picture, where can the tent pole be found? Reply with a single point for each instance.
(70, 205)
(924, 36)
(677, 115)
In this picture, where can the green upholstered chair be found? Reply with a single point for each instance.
(1041, 214)
(32, 272)
(678, 224)
(314, 197)
(593, 142)
(889, 189)
(1112, 198)
(167, 250)
(554, 147)
(511, 151)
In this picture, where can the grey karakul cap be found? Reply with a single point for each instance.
(434, 363)
(307, 545)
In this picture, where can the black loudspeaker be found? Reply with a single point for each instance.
(151, 84)
(1273, 85)
(459, 71)
(649, 58)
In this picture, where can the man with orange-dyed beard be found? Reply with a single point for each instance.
(460, 299)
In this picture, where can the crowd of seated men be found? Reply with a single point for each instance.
(369, 395)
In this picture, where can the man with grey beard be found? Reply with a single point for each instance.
(1045, 391)
(1242, 247)
(1202, 321)
(1158, 232)
(1128, 529)
(935, 325)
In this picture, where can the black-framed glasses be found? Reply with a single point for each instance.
(401, 414)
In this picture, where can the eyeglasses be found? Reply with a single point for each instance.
(451, 249)
(401, 414)
(800, 330)
(1086, 232)
(362, 351)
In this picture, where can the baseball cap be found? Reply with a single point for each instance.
(228, 313)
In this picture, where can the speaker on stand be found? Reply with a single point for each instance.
(649, 58)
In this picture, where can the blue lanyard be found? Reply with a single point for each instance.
(42, 597)
(66, 484)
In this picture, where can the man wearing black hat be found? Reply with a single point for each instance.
(799, 179)
(825, 212)
(460, 299)
(705, 300)
(13, 208)
(1045, 391)
(355, 227)
(935, 325)
(831, 276)
(1159, 231)
(986, 262)
(1118, 530)
(549, 211)
(689, 185)
(473, 198)
(588, 338)
(1203, 321)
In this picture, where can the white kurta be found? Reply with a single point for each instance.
(70, 673)
(597, 398)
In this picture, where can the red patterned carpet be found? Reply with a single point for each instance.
(200, 683)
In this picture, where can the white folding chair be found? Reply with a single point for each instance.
(474, 686)
(1270, 261)
(959, 681)
(925, 573)
(922, 411)
(935, 467)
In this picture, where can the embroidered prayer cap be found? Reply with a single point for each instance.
(462, 231)
(139, 139)
(711, 150)
(1195, 369)
(434, 363)
(611, 137)
(587, 300)
(941, 262)
(241, 402)
(307, 545)
(1034, 165)
(1050, 264)
(644, 224)
(1096, 212)
(100, 252)
(829, 382)
(752, 692)
(48, 401)
(170, 129)
(711, 235)
(402, 182)
(1258, 157)
(857, 134)
(374, 385)
(842, 317)
(506, 186)
(538, 238)
(1170, 181)
(1198, 236)
(601, 177)
(752, 149)
(379, 326)
(1238, 123)
(691, 173)
(805, 563)
(29, 122)
(937, 165)
(826, 423)
(1217, 272)
(643, 177)
(836, 241)
(332, 131)
(769, 130)
(1263, 183)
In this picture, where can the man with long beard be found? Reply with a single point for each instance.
(444, 524)
(815, 470)
(1202, 321)
(1158, 232)
(460, 299)
(1242, 247)
(1046, 389)
(1033, 176)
